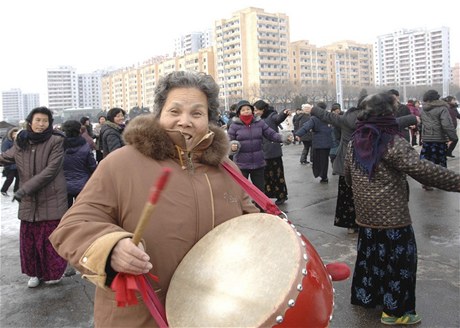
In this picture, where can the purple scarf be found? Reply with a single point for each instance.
(371, 139)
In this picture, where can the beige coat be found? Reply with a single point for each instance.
(199, 196)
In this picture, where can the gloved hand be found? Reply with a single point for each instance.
(18, 195)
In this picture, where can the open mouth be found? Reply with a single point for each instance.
(186, 135)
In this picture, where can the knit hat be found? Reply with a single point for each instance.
(431, 95)
(242, 103)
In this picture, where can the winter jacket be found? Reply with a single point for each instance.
(7, 143)
(79, 164)
(437, 124)
(273, 149)
(250, 155)
(454, 114)
(383, 202)
(199, 195)
(111, 137)
(347, 125)
(322, 134)
(303, 118)
(41, 178)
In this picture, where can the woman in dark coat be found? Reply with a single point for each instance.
(79, 162)
(111, 131)
(42, 195)
(10, 171)
(275, 183)
(322, 143)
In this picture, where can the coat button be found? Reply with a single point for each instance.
(85, 259)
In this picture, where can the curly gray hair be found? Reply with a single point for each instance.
(188, 79)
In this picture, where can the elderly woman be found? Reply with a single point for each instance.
(377, 161)
(95, 233)
(42, 195)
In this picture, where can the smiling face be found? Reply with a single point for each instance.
(186, 110)
(245, 110)
(119, 118)
(40, 123)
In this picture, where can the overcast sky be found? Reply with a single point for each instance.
(96, 34)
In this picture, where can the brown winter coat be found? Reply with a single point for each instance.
(199, 196)
(41, 177)
(383, 201)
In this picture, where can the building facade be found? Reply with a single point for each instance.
(30, 101)
(12, 101)
(413, 57)
(62, 88)
(90, 90)
(17, 105)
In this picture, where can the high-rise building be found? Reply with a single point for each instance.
(17, 105)
(193, 42)
(413, 57)
(12, 106)
(90, 90)
(252, 51)
(30, 101)
(62, 88)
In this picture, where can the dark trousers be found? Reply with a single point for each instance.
(257, 177)
(10, 176)
(305, 151)
(450, 149)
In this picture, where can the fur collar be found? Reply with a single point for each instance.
(146, 135)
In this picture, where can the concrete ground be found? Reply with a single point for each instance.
(311, 207)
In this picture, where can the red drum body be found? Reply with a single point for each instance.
(255, 270)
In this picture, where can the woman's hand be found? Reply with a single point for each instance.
(129, 258)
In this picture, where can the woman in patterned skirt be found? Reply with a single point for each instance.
(376, 164)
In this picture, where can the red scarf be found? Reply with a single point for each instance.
(246, 119)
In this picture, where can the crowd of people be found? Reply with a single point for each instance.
(78, 207)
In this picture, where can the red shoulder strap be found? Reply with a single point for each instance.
(258, 196)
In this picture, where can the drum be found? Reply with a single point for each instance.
(255, 270)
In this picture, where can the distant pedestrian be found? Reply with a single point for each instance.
(455, 115)
(437, 129)
(111, 131)
(97, 134)
(42, 195)
(322, 143)
(275, 182)
(10, 171)
(307, 138)
(79, 162)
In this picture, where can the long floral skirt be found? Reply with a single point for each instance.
(275, 183)
(385, 270)
(435, 152)
(345, 209)
(38, 257)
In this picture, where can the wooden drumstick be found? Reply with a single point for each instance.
(150, 205)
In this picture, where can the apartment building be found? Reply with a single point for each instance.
(29, 102)
(252, 57)
(62, 88)
(17, 105)
(135, 86)
(193, 42)
(12, 105)
(413, 57)
(252, 51)
(90, 90)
